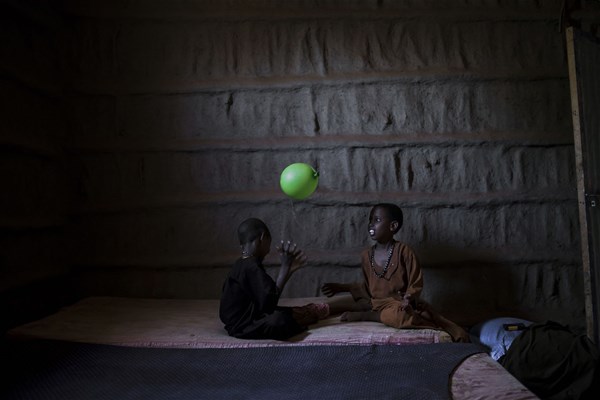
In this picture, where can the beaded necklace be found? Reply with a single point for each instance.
(387, 263)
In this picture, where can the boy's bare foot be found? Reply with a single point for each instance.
(349, 316)
(458, 334)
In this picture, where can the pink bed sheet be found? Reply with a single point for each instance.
(180, 323)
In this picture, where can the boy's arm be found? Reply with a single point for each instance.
(261, 287)
(356, 289)
(415, 275)
(331, 288)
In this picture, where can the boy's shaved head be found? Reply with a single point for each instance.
(394, 212)
(251, 229)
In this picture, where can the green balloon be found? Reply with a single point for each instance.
(299, 180)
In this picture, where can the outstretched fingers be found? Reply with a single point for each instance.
(287, 247)
(291, 255)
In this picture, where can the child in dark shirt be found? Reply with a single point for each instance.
(250, 296)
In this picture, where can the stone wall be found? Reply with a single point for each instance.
(182, 115)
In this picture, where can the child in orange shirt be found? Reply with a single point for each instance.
(393, 281)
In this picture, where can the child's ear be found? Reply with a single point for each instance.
(394, 226)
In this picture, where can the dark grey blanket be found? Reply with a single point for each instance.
(59, 370)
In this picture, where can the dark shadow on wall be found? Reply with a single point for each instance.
(472, 291)
(472, 287)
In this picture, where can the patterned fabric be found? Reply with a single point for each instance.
(310, 314)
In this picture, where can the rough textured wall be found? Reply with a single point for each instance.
(185, 113)
(35, 193)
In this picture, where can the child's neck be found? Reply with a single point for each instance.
(386, 244)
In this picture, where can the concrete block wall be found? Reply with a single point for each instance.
(183, 114)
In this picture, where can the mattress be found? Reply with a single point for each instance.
(195, 324)
(192, 323)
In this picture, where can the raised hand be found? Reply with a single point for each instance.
(292, 259)
(291, 256)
